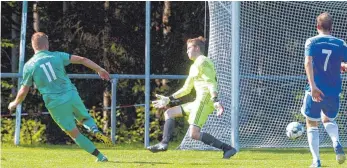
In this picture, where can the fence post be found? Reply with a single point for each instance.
(20, 70)
(114, 109)
(147, 71)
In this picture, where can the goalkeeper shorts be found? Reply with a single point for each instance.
(198, 110)
(64, 115)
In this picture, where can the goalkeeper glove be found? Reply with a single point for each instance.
(162, 101)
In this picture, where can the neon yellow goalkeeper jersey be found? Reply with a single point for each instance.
(202, 76)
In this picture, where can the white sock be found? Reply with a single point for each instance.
(313, 142)
(333, 131)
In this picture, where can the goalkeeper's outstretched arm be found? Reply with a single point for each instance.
(186, 89)
(188, 84)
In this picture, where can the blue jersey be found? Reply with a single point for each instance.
(327, 54)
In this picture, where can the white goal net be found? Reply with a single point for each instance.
(272, 75)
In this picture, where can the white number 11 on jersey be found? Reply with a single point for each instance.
(48, 64)
(328, 52)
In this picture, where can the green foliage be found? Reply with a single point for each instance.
(299, 95)
(342, 96)
(32, 131)
(5, 43)
(6, 85)
(136, 131)
(7, 129)
(299, 118)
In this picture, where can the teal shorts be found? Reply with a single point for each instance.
(199, 110)
(65, 114)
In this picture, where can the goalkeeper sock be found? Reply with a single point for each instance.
(90, 125)
(85, 143)
(168, 129)
(313, 142)
(212, 141)
(333, 131)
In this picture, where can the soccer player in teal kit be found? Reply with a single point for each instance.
(46, 69)
(324, 57)
(202, 77)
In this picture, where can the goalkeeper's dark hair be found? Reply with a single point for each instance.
(325, 21)
(199, 41)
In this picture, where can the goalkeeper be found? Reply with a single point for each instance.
(202, 76)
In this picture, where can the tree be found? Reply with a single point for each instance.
(36, 16)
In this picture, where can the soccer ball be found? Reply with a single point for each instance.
(295, 130)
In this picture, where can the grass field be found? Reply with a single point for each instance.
(64, 156)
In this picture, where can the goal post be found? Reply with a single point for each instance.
(271, 71)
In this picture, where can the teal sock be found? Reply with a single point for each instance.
(90, 125)
(85, 143)
(100, 156)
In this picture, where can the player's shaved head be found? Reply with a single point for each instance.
(39, 41)
(324, 22)
(199, 41)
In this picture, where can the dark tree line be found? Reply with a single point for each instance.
(113, 35)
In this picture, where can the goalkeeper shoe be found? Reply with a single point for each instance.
(107, 141)
(315, 164)
(227, 154)
(340, 154)
(160, 147)
(103, 159)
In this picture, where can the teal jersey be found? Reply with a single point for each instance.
(202, 76)
(46, 70)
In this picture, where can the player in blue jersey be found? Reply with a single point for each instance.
(324, 57)
(46, 70)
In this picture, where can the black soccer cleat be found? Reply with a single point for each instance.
(160, 147)
(227, 154)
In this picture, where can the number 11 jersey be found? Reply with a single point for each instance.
(46, 70)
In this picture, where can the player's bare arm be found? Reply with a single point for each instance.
(90, 64)
(22, 93)
(316, 93)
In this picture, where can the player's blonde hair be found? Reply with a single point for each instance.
(325, 21)
(39, 41)
(199, 41)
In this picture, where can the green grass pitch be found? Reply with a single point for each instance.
(134, 155)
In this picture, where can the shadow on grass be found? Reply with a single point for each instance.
(284, 150)
(141, 162)
(100, 146)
